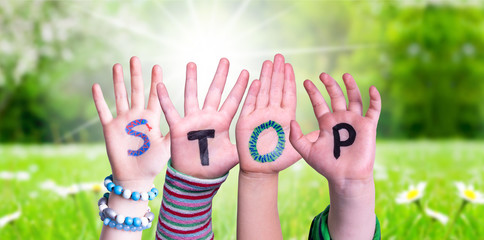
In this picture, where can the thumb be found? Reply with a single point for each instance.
(299, 141)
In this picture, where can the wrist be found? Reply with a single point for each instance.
(352, 207)
(350, 197)
(140, 185)
(351, 188)
(201, 172)
(258, 176)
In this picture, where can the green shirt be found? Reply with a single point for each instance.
(320, 231)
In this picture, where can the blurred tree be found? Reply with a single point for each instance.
(433, 86)
(424, 58)
(38, 43)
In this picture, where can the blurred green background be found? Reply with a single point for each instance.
(425, 57)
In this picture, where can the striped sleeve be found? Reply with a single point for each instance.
(186, 208)
(319, 227)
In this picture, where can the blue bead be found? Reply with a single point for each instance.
(136, 222)
(126, 228)
(128, 221)
(133, 229)
(119, 226)
(118, 190)
(140, 228)
(151, 196)
(110, 177)
(135, 196)
(106, 195)
(110, 186)
(112, 224)
(155, 191)
(107, 221)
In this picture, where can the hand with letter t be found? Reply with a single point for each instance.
(344, 153)
(200, 142)
(202, 154)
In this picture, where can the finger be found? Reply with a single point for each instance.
(299, 141)
(355, 104)
(137, 91)
(265, 84)
(102, 108)
(232, 102)
(338, 101)
(156, 77)
(167, 106)
(319, 104)
(375, 104)
(191, 99)
(277, 82)
(250, 100)
(214, 94)
(120, 94)
(289, 94)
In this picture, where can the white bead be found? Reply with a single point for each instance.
(149, 209)
(102, 207)
(120, 219)
(144, 222)
(144, 196)
(107, 181)
(127, 193)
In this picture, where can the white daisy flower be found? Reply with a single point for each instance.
(442, 218)
(413, 193)
(73, 189)
(95, 187)
(468, 193)
(19, 176)
(9, 218)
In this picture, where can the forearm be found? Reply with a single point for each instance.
(126, 207)
(352, 211)
(257, 214)
(186, 208)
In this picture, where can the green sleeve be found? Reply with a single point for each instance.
(319, 227)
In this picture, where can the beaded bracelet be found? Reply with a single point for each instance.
(112, 219)
(126, 193)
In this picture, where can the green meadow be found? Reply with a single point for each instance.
(302, 192)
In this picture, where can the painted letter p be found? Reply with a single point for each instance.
(337, 141)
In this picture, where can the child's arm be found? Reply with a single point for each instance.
(264, 149)
(137, 150)
(344, 153)
(202, 154)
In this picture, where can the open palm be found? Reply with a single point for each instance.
(336, 154)
(272, 98)
(200, 142)
(145, 134)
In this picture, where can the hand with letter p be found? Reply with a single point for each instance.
(344, 153)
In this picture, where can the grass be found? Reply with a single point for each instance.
(302, 192)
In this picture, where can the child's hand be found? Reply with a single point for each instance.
(344, 153)
(122, 139)
(200, 142)
(272, 98)
(349, 158)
